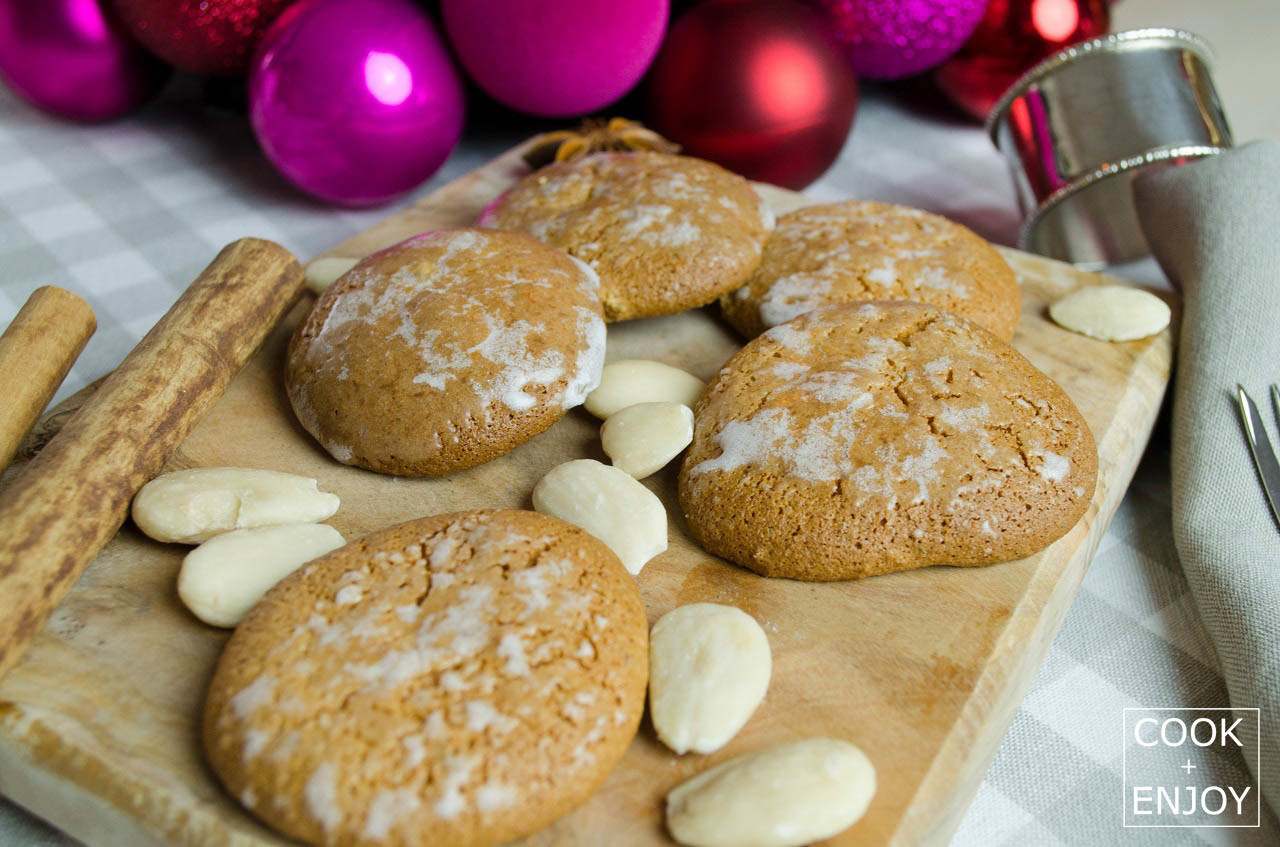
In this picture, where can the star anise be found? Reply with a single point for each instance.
(593, 136)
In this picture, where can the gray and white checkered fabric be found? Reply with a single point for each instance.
(127, 214)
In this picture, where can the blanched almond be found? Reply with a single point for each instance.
(783, 796)
(1111, 312)
(627, 382)
(224, 577)
(641, 439)
(194, 505)
(610, 505)
(322, 273)
(709, 668)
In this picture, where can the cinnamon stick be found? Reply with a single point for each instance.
(36, 351)
(68, 502)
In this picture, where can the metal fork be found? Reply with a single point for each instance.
(1260, 445)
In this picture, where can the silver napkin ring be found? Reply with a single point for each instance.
(1076, 129)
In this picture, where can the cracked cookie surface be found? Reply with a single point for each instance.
(665, 233)
(862, 251)
(460, 679)
(861, 439)
(445, 351)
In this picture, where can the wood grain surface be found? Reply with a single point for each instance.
(923, 670)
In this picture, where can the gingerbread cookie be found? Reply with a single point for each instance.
(462, 679)
(665, 233)
(860, 251)
(446, 351)
(860, 439)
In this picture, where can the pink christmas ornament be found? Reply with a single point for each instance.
(74, 59)
(556, 58)
(888, 39)
(355, 101)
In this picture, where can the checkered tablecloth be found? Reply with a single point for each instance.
(128, 214)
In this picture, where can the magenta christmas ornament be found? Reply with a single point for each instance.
(355, 101)
(74, 59)
(889, 39)
(555, 58)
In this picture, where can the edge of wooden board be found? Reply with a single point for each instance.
(943, 797)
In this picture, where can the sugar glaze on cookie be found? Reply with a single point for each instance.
(866, 438)
(446, 350)
(665, 233)
(864, 251)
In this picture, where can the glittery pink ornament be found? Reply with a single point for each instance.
(888, 39)
(355, 101)
(72, 58)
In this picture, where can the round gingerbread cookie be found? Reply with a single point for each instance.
(861, 251)
(446, 351)
(860, 439)
(462, 679)
(665, 233)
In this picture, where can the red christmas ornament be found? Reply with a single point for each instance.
(1014, 35)
(755, 85)
(205, 37)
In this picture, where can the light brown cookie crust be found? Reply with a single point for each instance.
(861, 439)
(665, 233)
(445, 351)
(862, 251)
(462, 679)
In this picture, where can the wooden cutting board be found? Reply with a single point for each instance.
(923, 670)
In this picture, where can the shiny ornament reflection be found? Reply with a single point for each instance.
(388, 79)
(1055, 19)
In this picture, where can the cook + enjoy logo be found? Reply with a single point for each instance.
(1182, 768)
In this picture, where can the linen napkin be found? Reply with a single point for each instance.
(1214, 227)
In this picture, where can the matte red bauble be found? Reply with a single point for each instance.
(206, 37)
(756, 86)
(1014, 35)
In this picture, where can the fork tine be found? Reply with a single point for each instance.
(1275, 401)
(1264, 457)
(1245, 401)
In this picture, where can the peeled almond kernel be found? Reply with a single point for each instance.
(1111, 312)
(609, 504)
(627, 382)
(709, 668)
(322, 273)
(783, 796)
(641, 439)
(194, 505)
(223, 578)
